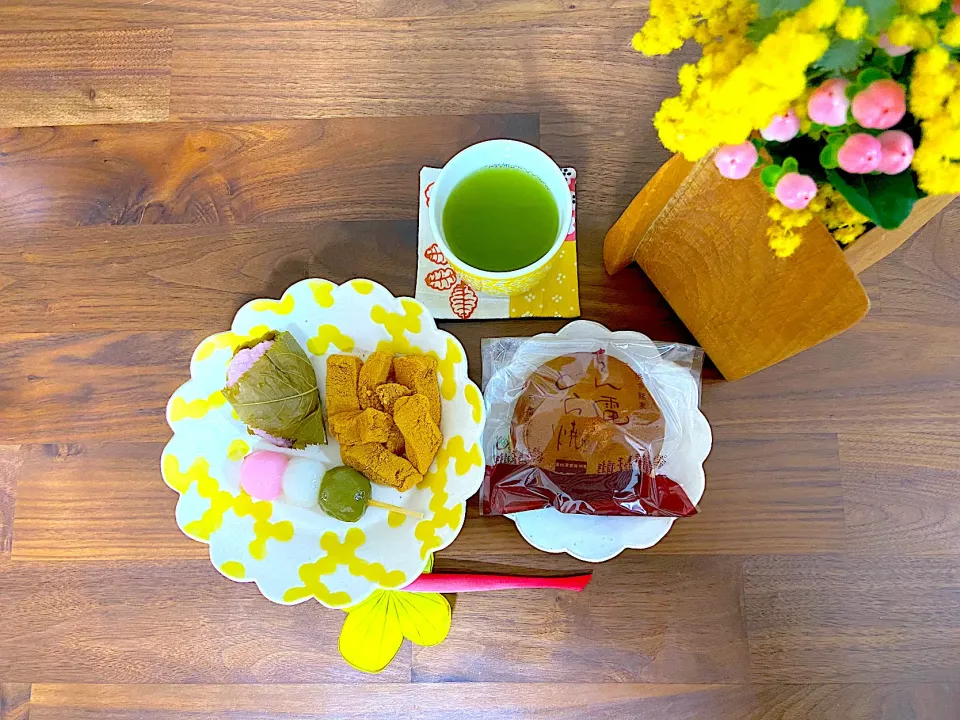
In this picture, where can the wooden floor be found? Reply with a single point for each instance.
(176, 158)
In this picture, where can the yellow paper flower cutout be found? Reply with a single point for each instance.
(373, 631)
(322, 292)
(397, 324)
(327, 334)
(283, 306)
(195, 409)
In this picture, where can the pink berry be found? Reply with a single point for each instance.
(881, 106)
(896, 152)
(261, 474)
(893, 50)
(736, 161)
(828, 103)
(859, 154)
(795, 190)
(782, 127)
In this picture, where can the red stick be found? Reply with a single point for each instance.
(463, 582)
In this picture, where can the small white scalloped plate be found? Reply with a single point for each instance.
(294, 553)
(687, 444)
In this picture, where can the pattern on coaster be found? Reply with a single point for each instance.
(447, 297)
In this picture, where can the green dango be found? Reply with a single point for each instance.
(345, 495)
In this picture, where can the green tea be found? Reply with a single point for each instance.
(500, 219)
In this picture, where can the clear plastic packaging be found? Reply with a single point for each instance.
(588, 426)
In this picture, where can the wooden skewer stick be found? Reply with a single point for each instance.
(396, 508)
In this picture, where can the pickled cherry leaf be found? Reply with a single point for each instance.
(279, 394)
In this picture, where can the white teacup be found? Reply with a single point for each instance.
(511, 154)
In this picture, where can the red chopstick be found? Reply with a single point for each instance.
(464, 582)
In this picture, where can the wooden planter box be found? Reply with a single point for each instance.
(701, 239)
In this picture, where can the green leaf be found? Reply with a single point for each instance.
(790, 165)
(836, 139)
(843, 55)
(770, 176)
(880, 12)
(869, 75)
(828, 157)
(886, 199)
(761, 27)
(766, 8)
(279, 393)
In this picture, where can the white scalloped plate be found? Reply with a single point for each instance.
(687, 443)
(294, 553)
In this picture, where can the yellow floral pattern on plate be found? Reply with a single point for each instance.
(294, 553)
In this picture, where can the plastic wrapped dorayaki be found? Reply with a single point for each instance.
(586, 425)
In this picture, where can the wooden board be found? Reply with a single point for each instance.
(72, 77)
(701, 239)
(493, 701)
(80, 14)
(227, 173)
(877, 243)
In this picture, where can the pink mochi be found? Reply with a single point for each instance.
(261, 474)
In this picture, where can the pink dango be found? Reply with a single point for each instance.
(261, 474)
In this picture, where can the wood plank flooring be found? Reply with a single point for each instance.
(164, 162)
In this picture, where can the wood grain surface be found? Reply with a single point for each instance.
(820, 580)
(73, 77)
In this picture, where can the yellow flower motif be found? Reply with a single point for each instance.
(326, 335)
(234, 570)
(783, 242)
(935, 99)
(780, 235)
(436, 481)
(238, 450)
(840, 217)
(951, 33)
(181, 409)
(851, 23)
(920, 6)
(322, 291)
(914, 31)
(337, 554)
(735, 88)
(397, 324)
(284, 306)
